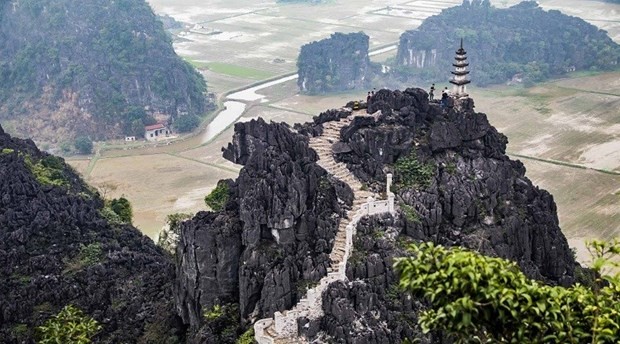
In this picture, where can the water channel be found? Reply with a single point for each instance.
(235, 105)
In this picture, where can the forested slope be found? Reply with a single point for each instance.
(101, 68)
(504, 42)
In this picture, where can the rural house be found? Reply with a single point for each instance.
(156, 132)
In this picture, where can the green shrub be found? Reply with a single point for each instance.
(304, 285)
(186, 123)
(223, 322)
(483, 299)
(213, 313)
(175, 220)
(48, 170)
(122, 207)
(451, 168)
(69, 326)
(247, 337)
(410, 213)
(7, 151)
(411, 173)
(89, 255)
(217, 199)
(107, 213)
(20, 331)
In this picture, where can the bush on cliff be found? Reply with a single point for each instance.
(412, 173)
(122, 208)
(47, 170)
(217, 199)
(69, 326)
(491, 300)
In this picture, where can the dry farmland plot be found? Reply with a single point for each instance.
(158, 185)
(571, 120)
(588, 201)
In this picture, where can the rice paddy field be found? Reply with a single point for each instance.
(565, 131)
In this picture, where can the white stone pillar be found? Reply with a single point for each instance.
(390, 194)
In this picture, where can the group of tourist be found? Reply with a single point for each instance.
(445, 97)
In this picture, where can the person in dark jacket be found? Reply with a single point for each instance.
(444, 99)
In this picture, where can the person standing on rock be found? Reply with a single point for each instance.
(444, 99)
(431, 95)
(368, 103)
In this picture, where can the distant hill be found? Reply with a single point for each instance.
(101, 68)
(504, 42)
(335, 64)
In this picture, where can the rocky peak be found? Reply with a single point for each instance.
(454, 185)
(273, 239)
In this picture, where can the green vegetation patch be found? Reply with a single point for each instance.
(89, 255)
(473, 296)
(48, 170)
(223, 322)
(213, 313)
(410, 213)
(7, 151)
(117, 211)
(247, 337)
(21, 331)
(237, 71)
(69, 326)
(412, 173)
(218, 198)
(304, 285)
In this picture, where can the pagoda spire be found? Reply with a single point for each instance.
(460, 72)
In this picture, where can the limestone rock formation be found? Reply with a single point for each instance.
(334, 64)
(273, 239)
(475, 197)
(100, 68)
(56, 249)
(522, 40)
(454, 185)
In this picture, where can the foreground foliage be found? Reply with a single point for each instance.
(478, 299)
(70, 326)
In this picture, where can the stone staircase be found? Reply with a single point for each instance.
(282, 329)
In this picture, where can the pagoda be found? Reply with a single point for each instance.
(460, 73)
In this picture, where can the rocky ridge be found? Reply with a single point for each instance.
(273, 239)
(454, 185)
(57, 248)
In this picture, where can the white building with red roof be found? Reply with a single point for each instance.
(156, 132)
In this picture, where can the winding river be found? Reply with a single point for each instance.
(234, 105)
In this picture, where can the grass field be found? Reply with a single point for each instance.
(552, 127)
(238, 71)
